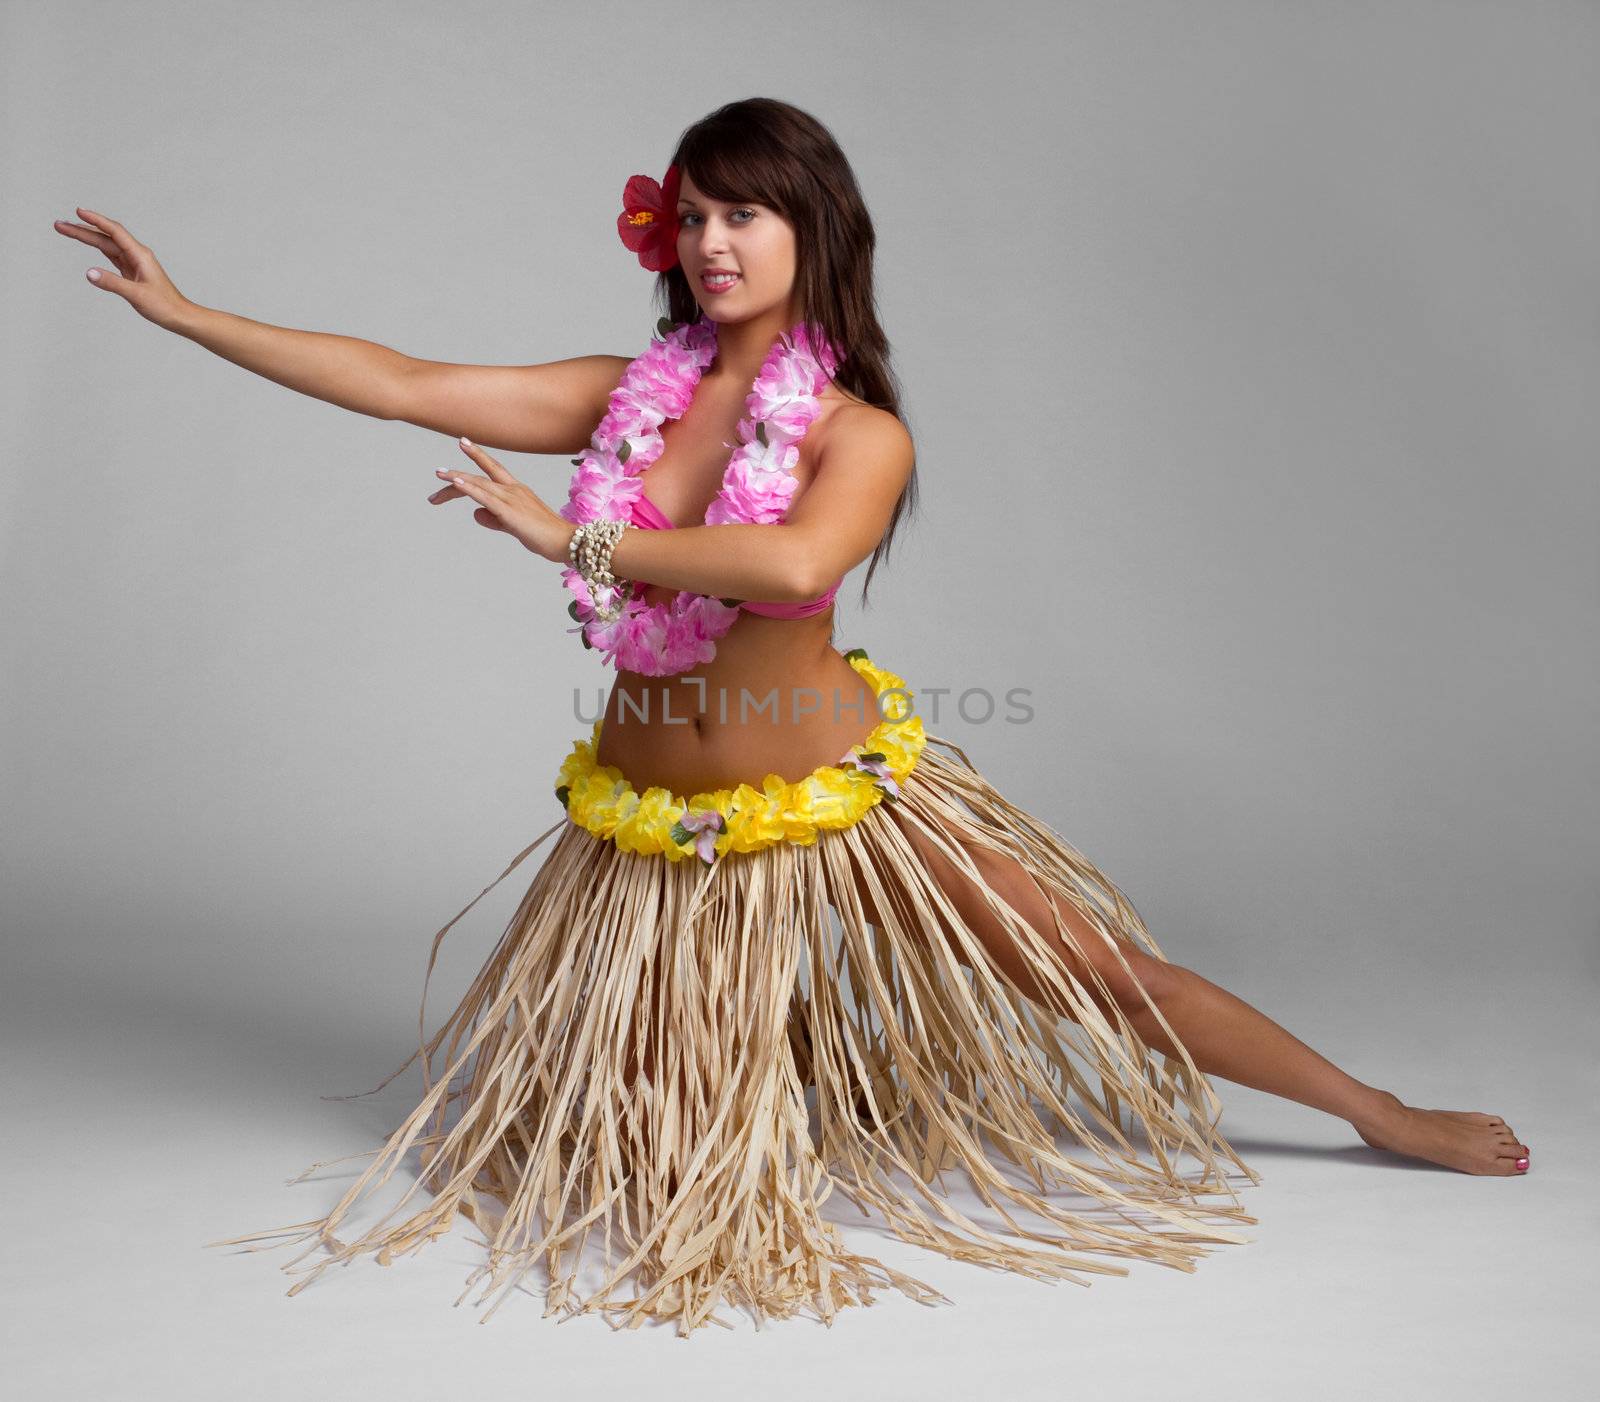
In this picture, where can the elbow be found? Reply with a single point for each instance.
(801, 581)
(798, 566)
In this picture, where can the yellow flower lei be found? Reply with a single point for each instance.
(600, 799)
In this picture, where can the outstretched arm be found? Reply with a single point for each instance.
(549, 408)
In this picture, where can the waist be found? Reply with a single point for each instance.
(766, 710)
(708, 815)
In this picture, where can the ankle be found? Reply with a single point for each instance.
(1384, 1107)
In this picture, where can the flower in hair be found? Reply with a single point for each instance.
(649, 220)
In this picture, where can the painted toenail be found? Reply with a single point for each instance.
(1522, 1165)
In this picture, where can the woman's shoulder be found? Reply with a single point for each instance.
(843, 405)
(857, 432)
(854, 419)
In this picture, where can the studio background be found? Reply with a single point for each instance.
(1251, 354)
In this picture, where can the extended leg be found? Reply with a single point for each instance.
(1225, 1036)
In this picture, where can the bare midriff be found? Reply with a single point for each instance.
(778, 697)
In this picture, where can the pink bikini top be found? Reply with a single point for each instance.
(648, 515)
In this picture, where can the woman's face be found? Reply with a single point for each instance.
(749, 239)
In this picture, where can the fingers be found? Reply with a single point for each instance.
(475, 487)
(488, 494)
(464, 485)
(84, 234)
(496, 472)
(479, 490)
(111, 239)
(118, 235)
(105, 244)
(504, 504)
(446, 493)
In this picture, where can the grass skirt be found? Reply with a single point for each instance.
(682, 1062)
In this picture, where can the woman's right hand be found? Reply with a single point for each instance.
(139, 279)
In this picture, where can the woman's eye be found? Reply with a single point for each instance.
(687, 218)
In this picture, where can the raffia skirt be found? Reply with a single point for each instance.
(691, 1033)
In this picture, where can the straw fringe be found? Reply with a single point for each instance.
(708, 1182)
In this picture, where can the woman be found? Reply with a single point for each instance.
(817, 898)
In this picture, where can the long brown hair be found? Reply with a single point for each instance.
(769, 152)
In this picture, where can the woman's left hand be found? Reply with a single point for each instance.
(506, 504)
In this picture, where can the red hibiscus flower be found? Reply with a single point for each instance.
(649, 220)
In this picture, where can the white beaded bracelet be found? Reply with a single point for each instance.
(589, 552)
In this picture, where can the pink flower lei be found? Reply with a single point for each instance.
(661, 640)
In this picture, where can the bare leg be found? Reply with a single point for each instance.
(1224, 1035)
(1229, 1038)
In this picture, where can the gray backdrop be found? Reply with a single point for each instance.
(1251, 354)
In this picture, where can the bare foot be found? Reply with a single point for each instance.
(1463, 1139)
